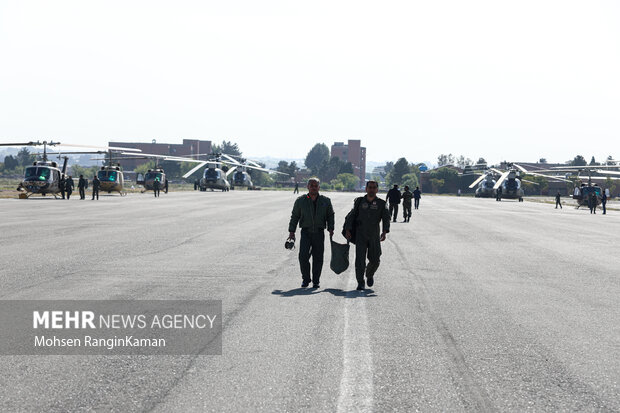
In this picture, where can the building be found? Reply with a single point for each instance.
(353, 152)
(187, 148)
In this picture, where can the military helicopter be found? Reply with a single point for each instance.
(486, 183)
(241, 178)
(583, 190)
(213, 177)
(510, 182)
(44, 176)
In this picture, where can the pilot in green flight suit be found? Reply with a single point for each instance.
(369, 212)
(313, 212)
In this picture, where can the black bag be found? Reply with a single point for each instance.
(340, 257)
(351, 216)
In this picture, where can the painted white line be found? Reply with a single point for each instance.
(356, 385)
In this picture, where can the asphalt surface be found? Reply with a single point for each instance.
(477, 306)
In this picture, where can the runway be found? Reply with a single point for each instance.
(477, 306)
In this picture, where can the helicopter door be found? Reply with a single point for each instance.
(140, 179)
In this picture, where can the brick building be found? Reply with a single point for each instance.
(188, 147)
(353, 152)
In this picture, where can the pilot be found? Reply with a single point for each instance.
(96, 184)
(313, 212)
(592, 202)
(61, 186)
(370, 211)
(417, 194)
(393, 197)
(69, 185)
(407, 197)
(156, 187)
(82, 187)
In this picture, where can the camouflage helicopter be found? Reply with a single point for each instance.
(45, 176)
(583, 190)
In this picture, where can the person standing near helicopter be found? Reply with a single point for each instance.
(156, 187)
(96, 184)
(82, 187)
(69, 185)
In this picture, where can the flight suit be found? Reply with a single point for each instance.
(69, 185)
(407, 196)
(156, 188)
(96, 183)
(312, 217)
(394, 196)
(61, 186)
(368, 235)
(82, 188)
(416, 196)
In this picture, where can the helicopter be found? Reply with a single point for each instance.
(583, 190)
(214, 177)
(510, 182)
(241, 178)
(486, 183)
(44, 176)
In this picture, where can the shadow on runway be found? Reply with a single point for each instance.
(334, 291)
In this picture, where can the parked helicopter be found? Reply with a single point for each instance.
(241, 177)
(486, 183)
(44, 176)
(214, 177)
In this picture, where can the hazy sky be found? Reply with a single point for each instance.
(514, 80)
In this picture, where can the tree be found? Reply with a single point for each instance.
(10, 162)
(542, 160)
(318, 156)
(285, 167)
(443, 160)
(260, 178)
(24, 157)
(446, 180)
(227, 147)
(346, 168)
(143, 168)
(462, 162)
(578, 161)
(411, 180)
(593, 161)
(346, 181)
(388, 167)
(481, 161)
(610, 160)
(401, 168)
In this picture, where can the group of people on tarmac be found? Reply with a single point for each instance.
(592, 201)
(367, 225)
(394, 197)
(66, 186)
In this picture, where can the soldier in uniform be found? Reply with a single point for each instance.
(407, 196)
(69, 185)
(592, 202)
(369, 211)
(313, 212)
(393, 197)
(296, 190)
(604, 202)
(558, 201)
(96, 184)
(61, 186)
(82, 187)
(156, 187)
(417, 194)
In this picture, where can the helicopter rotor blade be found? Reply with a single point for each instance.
(497, 171)
(519, 167)
(105, 148)
(231, 170)
(555, 178)
(600, 171)
(501, 179)
(191, 171)
(530, 182)
(477, 181)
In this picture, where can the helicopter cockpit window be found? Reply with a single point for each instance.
(37, 173)
(109, 176)
(152, 176)
(212, 174)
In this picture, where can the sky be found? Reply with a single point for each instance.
(503, 80)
